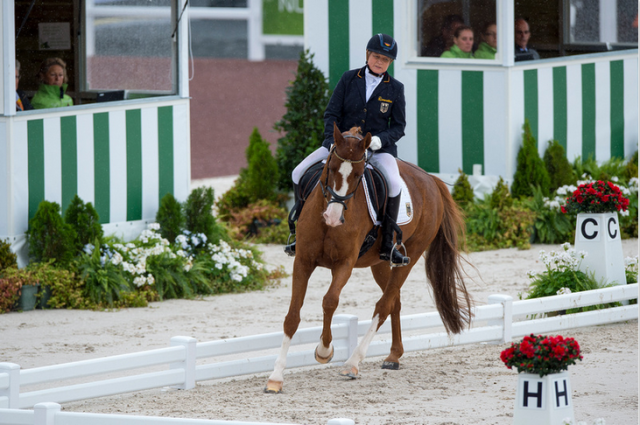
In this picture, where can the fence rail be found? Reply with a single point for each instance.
(493, 322)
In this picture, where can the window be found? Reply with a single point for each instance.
(439, 19)
(129, 46)
(598, 22)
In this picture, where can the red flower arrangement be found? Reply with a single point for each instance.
(596, 197)
(542, 355)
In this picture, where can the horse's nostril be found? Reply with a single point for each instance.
(342, 220)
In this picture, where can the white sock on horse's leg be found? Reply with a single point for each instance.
(324, 351)
(281, 362)
(361, 350)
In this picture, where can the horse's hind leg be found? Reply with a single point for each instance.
(381, 273)
(301, 274)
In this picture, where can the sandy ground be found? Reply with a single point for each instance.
(455, 385)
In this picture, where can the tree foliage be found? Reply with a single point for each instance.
(530, 169)
(302, 124)
(558, 167)
(84, 220)
(170, 217)
(50, 238)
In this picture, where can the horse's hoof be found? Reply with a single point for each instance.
(390, 365)
(324, 360)
(350, 373)
(273, 387)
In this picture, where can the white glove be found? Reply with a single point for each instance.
(376, 143)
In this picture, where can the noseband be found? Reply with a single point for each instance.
(335, 198)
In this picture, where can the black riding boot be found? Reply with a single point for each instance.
(290, 248)
(388, 251)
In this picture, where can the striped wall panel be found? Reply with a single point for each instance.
(122, 161)
(460, 117)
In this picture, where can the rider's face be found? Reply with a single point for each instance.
(378, 63)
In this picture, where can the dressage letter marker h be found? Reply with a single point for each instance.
(545, 400)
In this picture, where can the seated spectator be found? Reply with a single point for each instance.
(22, 101)
(462, 44)
(53, 79)
(522, 35)
(489, 45)
(439, 44)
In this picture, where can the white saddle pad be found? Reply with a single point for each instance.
(405, 215)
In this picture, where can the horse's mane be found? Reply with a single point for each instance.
(354, 131)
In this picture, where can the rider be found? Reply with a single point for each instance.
(373, 100)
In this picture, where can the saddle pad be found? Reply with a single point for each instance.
(405, 215)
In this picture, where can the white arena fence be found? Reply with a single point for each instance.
(500, 321)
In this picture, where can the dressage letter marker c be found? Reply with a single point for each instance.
(615, 228)
(594, 233)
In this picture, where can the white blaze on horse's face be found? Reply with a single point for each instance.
(333, 215)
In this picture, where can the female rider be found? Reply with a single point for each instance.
(373, 100)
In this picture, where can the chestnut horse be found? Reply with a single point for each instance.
(324, 241)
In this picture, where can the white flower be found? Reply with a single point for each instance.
(150, 279)
(181, 253)
(139, 281)
(236, 277)
(117, 259)
(566, 246)
(88, 248)
(614, 179)
(624, 213)
(219, 266)
(153, 226)
(188, 266)
(130, 245)
(563, 291)
(203, 237)
(195, 240)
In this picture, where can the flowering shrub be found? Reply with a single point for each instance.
(542, 355)
(563, 277)
(9, 294)
(596, 197)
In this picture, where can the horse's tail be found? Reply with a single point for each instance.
(444, 268)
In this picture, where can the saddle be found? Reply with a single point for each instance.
(377, 190)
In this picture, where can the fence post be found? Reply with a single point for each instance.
(507, 316)
(352, 330)
(340, 421)
(13, 392)
(189, 363)
(44, 413)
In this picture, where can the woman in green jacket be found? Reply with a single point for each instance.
(462, 44)
(489, 46)
(53, 78)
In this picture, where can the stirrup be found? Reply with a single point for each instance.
(290, 247)
(405, 260)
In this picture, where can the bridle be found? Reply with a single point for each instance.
(335, 198)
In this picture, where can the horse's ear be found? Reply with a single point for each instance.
(366, 141)
(337, 136)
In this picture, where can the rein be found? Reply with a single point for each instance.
(335, 198)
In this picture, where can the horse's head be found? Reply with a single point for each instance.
(345, 166)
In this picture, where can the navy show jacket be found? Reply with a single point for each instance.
(383, 115)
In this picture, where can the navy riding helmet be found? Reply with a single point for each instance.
(383, 44)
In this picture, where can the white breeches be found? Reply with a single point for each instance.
(388, 165)
(315, 156)
(385, 162)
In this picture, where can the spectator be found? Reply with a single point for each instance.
(22, 101)
(53, 79)
(522, 35)
(489, 45)
(439, 44)
(462, 44)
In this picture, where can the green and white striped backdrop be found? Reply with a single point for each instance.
(123, 160)
(469, 114)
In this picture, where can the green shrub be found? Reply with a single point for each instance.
(171, 280)
(558, 167)
(256, 219)
(50, 238)
(84, 220)
(462, 192)
(170, 217)
(104, 283)
(235, 198)
(303, 123)
(530, 169)
(551, 226)
(631, 168)
(7, 257)
(605, 171)
(489, 228)
(500, 197)
(199, 215)
(262, 170)
(629, 222)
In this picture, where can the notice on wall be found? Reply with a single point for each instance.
(54, 36)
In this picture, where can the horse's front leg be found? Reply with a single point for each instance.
(341, 274)
(301, 274)
(388, 303)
